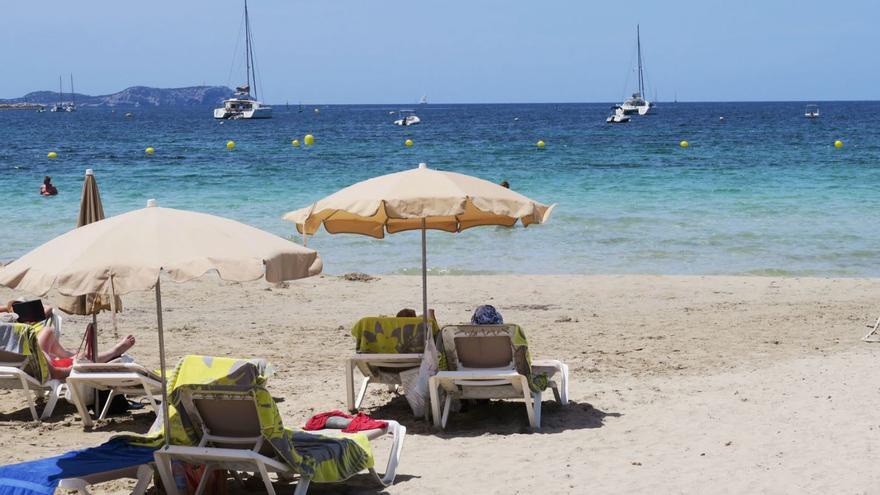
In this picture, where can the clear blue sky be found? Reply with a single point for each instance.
(382, 51)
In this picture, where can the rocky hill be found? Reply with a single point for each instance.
(135, 96)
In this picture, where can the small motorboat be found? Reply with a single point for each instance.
(619, 116)
(811, 112)
(407, 117)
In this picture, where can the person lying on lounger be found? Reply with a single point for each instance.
(61, 360)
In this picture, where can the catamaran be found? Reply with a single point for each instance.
(811, 112)
(637, 102)
(243, 104)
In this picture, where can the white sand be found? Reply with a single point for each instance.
(679, 384)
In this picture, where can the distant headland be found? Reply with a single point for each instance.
(135, 96)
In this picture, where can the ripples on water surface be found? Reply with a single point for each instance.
(762, 192)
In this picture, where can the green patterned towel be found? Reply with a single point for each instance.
(21, 338)
(391, 335)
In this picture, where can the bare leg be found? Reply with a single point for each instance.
(50, 345)
(117, 350)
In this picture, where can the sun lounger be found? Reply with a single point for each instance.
(126, 378)
(78, 469)
(492, 362)
(231, 439)
(386, 347)
(13, 376)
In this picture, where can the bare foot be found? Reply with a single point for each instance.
(124, 345)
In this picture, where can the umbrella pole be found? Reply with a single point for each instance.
(428, 332)
(165, 424)
(94, 342)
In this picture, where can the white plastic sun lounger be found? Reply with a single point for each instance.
(13, 377)
(231, 440)
(119, 378)
(143, 474)
(482, 364)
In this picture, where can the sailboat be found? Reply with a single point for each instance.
(423, 100)
(637, 102)
(59, 107)
(243, 104)
(71, 107)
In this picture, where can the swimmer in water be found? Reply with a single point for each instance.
(48, 189)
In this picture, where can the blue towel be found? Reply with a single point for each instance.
(42, 476)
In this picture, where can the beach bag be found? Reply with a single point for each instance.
(416, 383)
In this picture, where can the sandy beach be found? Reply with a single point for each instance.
(679, 384)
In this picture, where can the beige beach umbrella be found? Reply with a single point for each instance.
(128, 252)
(418, 199)
(91, 210)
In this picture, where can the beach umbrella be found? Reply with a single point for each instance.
(91, 210)
(418, 199)
(129, 252)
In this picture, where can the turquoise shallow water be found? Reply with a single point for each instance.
(763, 192)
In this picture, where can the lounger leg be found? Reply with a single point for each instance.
(144, 476)
(267, 481)
(564, 384)
(398, 433)
(302, 486)
(52, 400)
(527, 398)
(80, 406)
(433, 385)
(149, 395)
(26, 390)
(361, 394)
(536, 401)
(349, 385)
(203, 482)
(106, 407)
(163, 466)
(556, 394)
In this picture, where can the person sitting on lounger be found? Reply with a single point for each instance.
(61, 359)
(486, 315)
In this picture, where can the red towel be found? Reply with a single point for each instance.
(360, 422)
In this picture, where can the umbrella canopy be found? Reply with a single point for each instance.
(422, 199)
(129, 251)
(91, 210)
(402, 201)
(126, 253)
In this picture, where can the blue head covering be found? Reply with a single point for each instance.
(486, 315)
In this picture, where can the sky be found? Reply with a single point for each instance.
(453, 51)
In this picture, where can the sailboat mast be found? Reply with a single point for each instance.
(72, 94)
(247, 44)
(60, 92)
(641, 77)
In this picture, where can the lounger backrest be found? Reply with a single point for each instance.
(12, 359)
(232, 416)
(479, 347)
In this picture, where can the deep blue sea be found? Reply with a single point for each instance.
(763, 192)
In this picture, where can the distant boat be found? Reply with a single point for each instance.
(243, 105)
(301, 108)
(407, 117)
(58, 107)
(618, 116)
(811, 112)
(71, 107)
(637, 102)
(423, 100)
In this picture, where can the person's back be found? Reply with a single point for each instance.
(48, 189)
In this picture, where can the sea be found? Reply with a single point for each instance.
(760, 190)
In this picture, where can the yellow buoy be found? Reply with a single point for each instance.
(309, 139)
(52, 154)
(149, 150)
(408, 143)
(230, 145)
(295, 142)
(838, 144)
(684, 144)
(540, 144)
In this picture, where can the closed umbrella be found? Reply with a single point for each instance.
(129, 252)
(419, 199)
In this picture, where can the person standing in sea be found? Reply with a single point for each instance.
(48, 189)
